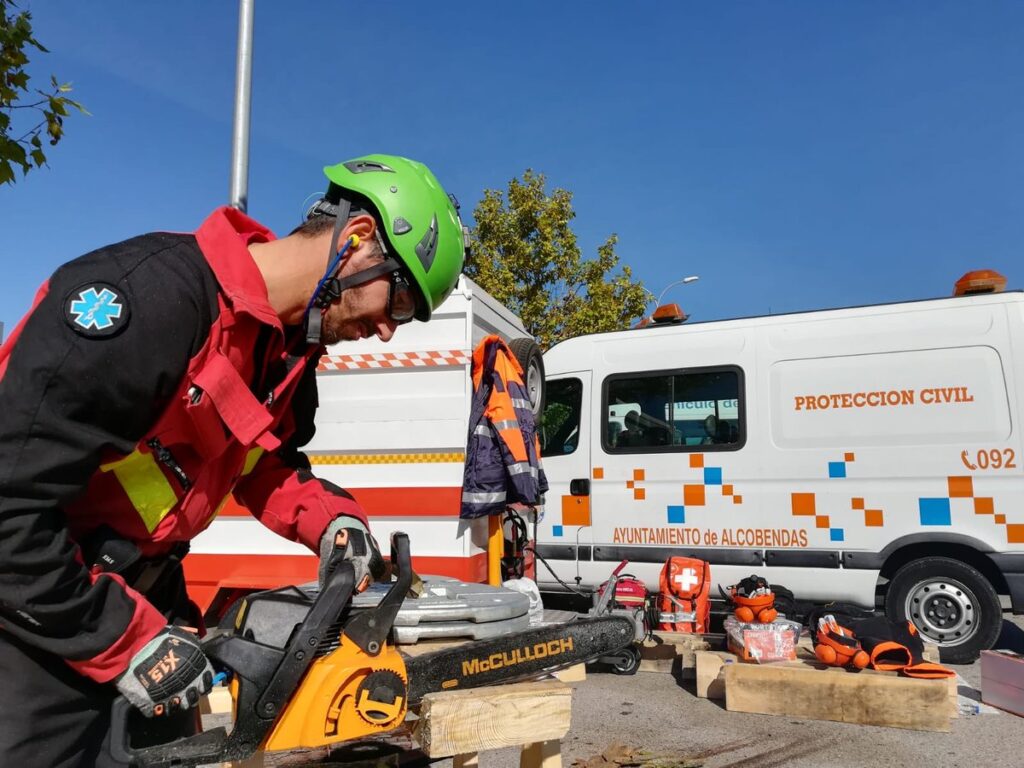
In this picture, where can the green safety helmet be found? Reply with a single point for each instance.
(418, 220)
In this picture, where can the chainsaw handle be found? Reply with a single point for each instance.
(370, 630)
(204, 747)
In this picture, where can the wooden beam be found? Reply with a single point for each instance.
(541, 754)
(461, 722)
(710, 678)
(865, 697)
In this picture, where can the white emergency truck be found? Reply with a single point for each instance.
(391, 429)
(860, 454)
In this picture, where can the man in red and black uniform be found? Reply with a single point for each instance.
(151, 380)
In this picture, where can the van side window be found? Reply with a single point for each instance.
(560, 422)
(668, 411)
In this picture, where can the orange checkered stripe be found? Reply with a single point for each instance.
(694, 494)
(431, 359)
(962, 487)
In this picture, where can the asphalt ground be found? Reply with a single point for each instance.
(660, 715)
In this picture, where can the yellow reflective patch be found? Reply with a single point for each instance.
(250, 460)
(386, 458)
(146, 487)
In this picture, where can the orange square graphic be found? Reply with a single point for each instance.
(737, 499)
(1015, 533)
(599, 473)
(638, 474)
(821, 521)
(803, 503)
(1000, 519)
(696, 460)
(575, 510)
(727, 490)
(961, 487)
(639, 494)
(984, 506)
(693, 495)
(630, 483)
(857, 503)
(873, 518)
(848, 457)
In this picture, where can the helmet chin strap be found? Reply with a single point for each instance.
(330, 287)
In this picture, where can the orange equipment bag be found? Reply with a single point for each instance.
(684, 603)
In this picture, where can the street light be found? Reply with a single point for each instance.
(684, 281)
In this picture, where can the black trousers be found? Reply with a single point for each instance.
(53, 717)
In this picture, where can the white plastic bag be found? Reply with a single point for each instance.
(529, 588)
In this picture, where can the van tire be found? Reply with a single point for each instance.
(528, 354)
(945, 598)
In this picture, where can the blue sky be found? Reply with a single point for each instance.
(794, 155)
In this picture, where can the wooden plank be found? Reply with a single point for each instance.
(673, 653)
(710, 678)
(866, 697)
(577, 673)
(471, 760)
(459, 722)
(542, 754)
(216, 702)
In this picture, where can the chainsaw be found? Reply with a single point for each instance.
(307, 671)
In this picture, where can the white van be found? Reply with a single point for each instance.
(847, 454)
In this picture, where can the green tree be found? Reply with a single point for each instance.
(524, 253)
(25, 111)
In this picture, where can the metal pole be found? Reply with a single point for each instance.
(243, 101)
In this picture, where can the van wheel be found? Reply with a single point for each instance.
(528, 354)
(950, 603)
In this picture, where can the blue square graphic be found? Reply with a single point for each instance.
(712, 475)
(836, 534)
(934, 511)
(837, 469)
(676, 514)
(557, 530)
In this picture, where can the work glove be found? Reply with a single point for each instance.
(170, 673)
(360, 549)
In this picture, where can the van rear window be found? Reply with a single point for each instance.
(691, 410)
(560, 422)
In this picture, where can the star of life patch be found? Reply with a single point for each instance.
(96, 310)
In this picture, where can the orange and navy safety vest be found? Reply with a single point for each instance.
(503, 451)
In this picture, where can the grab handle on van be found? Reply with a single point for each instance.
(580, 486)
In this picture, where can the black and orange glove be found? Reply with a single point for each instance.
(170, 673)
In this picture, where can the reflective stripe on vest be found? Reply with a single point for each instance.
(483, 498)
(250, 460)
(145, 485)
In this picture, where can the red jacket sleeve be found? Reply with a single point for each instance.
(292, 501)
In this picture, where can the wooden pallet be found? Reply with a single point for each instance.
(808, 689)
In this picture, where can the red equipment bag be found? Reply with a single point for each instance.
(684, 603)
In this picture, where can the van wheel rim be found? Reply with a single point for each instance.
(534, 383)
(943, 610)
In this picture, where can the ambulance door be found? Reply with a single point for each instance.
(563, 535)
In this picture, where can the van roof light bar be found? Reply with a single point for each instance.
(980, 281)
